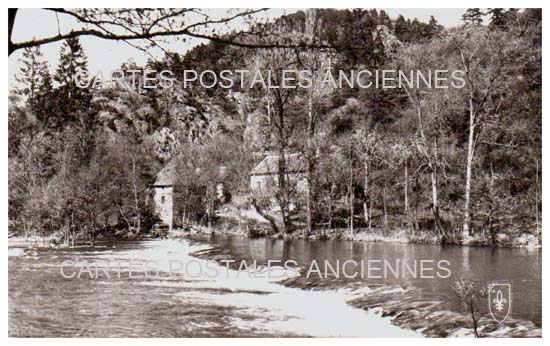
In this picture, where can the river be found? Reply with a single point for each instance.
(44, 303)
(520, 267)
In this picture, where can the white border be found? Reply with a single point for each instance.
(274, 4)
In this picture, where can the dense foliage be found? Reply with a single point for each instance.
(449, 163)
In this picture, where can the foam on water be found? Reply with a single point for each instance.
(278, 308)
(14, 251)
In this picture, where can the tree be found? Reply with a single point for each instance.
(402, 29)
(370, 141)
(434, 28)
(30, 169)
(46, 100)
(367, 146)
(95, 190)
(355, 42)
(73, 64)
(331, 182)
(20, 122)
(428, 104)
(384, 19)
(482, 55)
(318, 63)
(498, 18)
(473, 16)
(350, 159)
(271, 64)
(474, 153)
(131, 153)
(33, 75)
(469, 297)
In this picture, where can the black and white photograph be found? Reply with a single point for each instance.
(274, 172)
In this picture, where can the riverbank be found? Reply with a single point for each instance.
(504, 240)
(235, 221)
(38, 242)
(228, 225)
(34, 241)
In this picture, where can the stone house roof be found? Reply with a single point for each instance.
(167, 175)
(295, 163)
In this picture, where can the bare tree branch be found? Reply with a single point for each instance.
(142, 24)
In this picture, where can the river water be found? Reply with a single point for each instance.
(519, 267)
(42, 302)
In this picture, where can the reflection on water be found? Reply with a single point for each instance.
(519, 267)
(44, 303)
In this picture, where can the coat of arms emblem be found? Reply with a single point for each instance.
(500, 301)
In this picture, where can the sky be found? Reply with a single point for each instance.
(106, 55)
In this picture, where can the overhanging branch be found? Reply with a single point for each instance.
(144, 31)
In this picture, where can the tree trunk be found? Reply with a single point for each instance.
(440, 230)
(282, 171)
(270, 219)
(385, 209)
(310, 166)
(72, 229)
(537, 198)
(367, 193)
(406, 187)
(330, 205)
(136, 201)
(370, 217)
(474, 320)
(351, 194)
(283, 193)
(240, 219)
(184, 217)
(416, 226)
(26, 229)
(12, 13)
(435, 204)
(469, 160)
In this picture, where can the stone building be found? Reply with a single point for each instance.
(266, 173)
(177, 204)
(163, 193)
